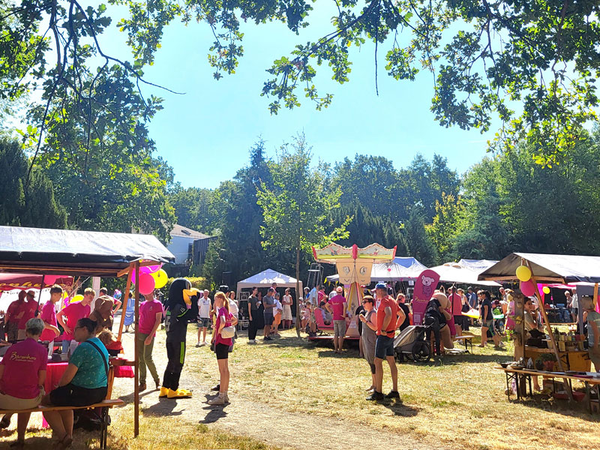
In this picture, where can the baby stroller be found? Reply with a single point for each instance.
(412, 343)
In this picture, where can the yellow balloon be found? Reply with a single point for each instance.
(160, 278)
(523, 273)
(546, 290)
(77, 298)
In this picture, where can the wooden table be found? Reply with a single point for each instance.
(520, 376)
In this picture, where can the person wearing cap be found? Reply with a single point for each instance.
(387, 320)
(337, 307)
(27, 311)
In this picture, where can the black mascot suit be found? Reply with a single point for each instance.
(182, 307)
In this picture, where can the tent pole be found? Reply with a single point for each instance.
(595, 295)
(125, 298)
(136, 388)
(547, 323)
(40, 295)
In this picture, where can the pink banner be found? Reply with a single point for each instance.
(425, 285)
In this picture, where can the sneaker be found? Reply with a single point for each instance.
(202, 344)
(157, 382)
(252, 341)
(393, 394)
(220, 399)
(198, 345)
(375, 396)
(216, 388)
(142, 387)
(267, 338)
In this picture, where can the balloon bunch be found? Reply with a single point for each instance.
(524, 275)
(151, 277)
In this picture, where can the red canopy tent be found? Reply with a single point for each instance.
(9, 281)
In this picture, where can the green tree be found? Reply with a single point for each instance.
(195, 208)
(446, 225)
(21, 204)
(418, 241)
(238, 249)
(532, 64)
(297, 208)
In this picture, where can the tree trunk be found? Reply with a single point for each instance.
(298, 293)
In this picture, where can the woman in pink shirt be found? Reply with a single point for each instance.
(221, 345)
(151, 313)
(22, 376)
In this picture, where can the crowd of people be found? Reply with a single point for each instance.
(24, 365)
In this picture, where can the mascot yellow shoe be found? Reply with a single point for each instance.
(179, 393)
(163, 392)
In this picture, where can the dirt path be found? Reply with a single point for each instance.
(289, 430)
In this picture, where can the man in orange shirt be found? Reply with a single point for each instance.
(388, 317)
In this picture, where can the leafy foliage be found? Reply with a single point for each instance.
(22, 204)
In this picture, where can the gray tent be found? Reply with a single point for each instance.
(547, 268)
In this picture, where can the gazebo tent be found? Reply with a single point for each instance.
(551, 268)
(265, 279)
(82, 253)
(548, 268)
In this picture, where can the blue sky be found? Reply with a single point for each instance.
(206, 134)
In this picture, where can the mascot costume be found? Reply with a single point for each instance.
(182, 307)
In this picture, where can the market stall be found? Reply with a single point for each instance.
(531, 269)
(83, 253)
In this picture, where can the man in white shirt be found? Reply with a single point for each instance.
(204, 305)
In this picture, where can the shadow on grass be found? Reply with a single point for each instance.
(577, 409)
(400, 409)
(214, 413)
(164, 407)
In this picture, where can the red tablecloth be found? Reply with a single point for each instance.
(54, 372)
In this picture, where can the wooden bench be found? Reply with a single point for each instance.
(467, 341)
(105, 405)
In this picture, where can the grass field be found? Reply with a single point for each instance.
(456, 402)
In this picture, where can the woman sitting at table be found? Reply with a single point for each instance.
(22, 376)
(84, 382)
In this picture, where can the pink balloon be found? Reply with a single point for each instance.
(152, 269)
(527, 288)
(146, 283)
(143, 270)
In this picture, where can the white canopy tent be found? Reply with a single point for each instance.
(265, 279)
(457, 273)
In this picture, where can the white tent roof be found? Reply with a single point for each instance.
(267, 278)
(457, 273)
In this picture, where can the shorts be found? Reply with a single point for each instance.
(384, 347)
(269, 319)
(222, 351)
(339, 328)
(203, 322)
(71, 395)
(489, 324)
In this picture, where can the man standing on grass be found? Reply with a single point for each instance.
(73, 312)
(387, 319)
(268, 304)
(253, 305)
(337, 307)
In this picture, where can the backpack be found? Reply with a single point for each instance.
(433, 310)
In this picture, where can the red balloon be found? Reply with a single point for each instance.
(147, 283)
(527, 288)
